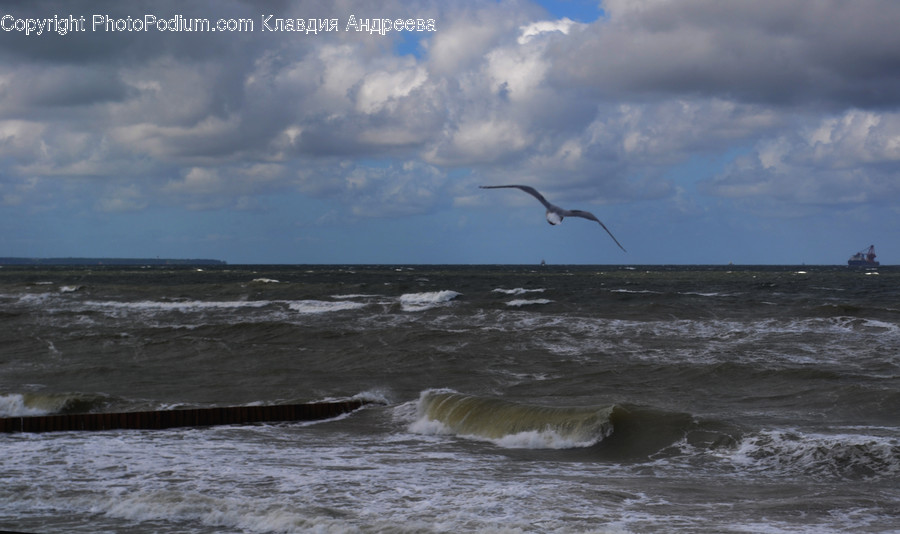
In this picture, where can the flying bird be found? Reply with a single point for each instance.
(555, 214)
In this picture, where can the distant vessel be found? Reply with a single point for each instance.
(864, 258)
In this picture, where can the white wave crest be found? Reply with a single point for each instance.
(543, 439)
(517, 291)
(529, 439)
(188, 305)
(508, 424)
(427, 300)
(324, 306)
(18, 405)
(843, 455)
(518, 303)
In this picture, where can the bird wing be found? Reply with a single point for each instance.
(562, 212)
(528, 189)
(592, 217)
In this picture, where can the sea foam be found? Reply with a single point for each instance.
(789, 452)
(36, 404)
(517, 291)
(518, 303)
(183, 306)
(427, 300)
(324, 306)
(15, 405)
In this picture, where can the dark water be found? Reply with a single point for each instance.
(510, 399)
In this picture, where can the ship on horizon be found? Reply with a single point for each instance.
(864, 258)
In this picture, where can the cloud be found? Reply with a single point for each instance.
(848, 160)
(232, 186)
(821, 53)
(397, 189)
(468, 32)
(534, 29)
(64, 86)
(382, 90)
(476, 141)
(596, 111)
(122, 199)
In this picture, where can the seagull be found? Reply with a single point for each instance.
(555, 214)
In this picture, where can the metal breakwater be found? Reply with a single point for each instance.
(155, 420)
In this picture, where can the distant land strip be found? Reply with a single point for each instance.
(108, 261)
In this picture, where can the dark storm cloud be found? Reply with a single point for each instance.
(831, 53)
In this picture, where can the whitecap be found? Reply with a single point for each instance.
(186, 305)
(541, 439)
(518, 303)
(510, 424)
(427, 300)
(788, 452)
(35, 404)
(517, 291)
(324, 306)
(701, 294)
(15, 405)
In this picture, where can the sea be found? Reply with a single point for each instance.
(502, 399)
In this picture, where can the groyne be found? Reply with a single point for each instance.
(161, 419)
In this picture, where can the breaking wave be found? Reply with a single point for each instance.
(517, 291)
(427, 300)
(510, 424)
(843, 455)
(36, 404)
(324, 306)
(613, 432)
(518, 303)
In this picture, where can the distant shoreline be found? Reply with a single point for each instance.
(140, 262)
(108, 261)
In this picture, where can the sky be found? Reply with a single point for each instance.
(698, 131)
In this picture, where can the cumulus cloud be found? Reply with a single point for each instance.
(603, 107)
(846, 160)
(396, 189)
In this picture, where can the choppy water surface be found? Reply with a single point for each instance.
(511, 399)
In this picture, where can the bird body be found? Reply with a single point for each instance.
(556, 214)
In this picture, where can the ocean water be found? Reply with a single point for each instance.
(504, 398)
